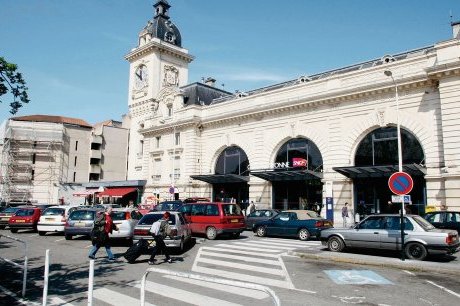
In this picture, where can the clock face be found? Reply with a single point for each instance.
(141, 77)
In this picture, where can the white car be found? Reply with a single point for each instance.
(53, 219)
(126, 220)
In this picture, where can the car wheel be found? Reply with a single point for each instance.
(2, 227)
(68, 237)
(415, 250)
(236, 235)
(42, 233)
(304, 234)
(14, 230)
(211, 233)
(261, 231)
(335, 244)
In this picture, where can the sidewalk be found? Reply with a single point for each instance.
(448, 264)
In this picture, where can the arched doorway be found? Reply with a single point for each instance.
(375, 160)
(232, 163)
(295, 176)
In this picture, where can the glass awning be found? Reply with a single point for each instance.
(277, 175)
(379, 171)
(221, 178)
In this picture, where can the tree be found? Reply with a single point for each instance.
(12, 81)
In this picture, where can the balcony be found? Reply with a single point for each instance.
(97, 139)
(95, 169)
(96, 154)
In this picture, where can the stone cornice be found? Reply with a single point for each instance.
(160, 46)
(312, 100)
(168, 128)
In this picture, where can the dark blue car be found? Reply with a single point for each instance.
(293, 223)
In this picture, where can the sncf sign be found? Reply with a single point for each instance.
(299, 162)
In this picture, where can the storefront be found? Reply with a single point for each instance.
(376, 160)
(230, 181)
(295, 176)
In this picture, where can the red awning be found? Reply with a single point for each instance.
(84, 193)
(116, 192)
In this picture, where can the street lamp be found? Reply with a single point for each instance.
(388, 73)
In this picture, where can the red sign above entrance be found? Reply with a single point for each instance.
(299, 162)
(400, 183)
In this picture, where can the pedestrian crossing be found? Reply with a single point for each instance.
(246, 260)
(250, 260)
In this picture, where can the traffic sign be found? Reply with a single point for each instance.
(400, 183)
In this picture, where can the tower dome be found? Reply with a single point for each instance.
(161, 27)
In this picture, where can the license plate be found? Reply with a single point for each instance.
(80, 224)
(20, 221)
(234, 220)
(49, 219)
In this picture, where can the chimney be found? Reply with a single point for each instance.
(210, 81)
(456, 29)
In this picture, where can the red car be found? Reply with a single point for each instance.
(25, 218)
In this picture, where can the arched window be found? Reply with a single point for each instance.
(300, 148)
(380, 147)
(232, 160)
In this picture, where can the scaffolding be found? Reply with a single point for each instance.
(34, 159)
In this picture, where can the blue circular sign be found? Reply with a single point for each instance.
(400, 183)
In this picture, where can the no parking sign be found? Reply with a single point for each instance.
(400, 183)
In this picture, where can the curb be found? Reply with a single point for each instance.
(410, 265)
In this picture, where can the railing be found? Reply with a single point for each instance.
(252, 286)
(24, 266)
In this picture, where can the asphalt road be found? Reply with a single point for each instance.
(296, 281)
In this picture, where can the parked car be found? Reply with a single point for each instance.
(6, 214)
(180, 230)
(126, 220)
(303, 224)
(213, 219)
(145, 208)
(169, 205)
(384, 232)
(24, 218)
(53, 219)
(260, 215)
(444, 219)
(80, 222)
(195, 200)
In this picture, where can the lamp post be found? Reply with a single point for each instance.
(388, 73)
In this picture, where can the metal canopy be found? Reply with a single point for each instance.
(221, 178)
(379, 171)
(286, 175)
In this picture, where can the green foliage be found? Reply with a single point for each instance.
(12, 81)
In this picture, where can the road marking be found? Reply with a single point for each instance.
(274, 243)
(89, 246)
(279, 248)
(256, 294)
(57, 301)
(356, 277)
(240, 252)
(115, 298)
(242, 266)
(183, 295)
(20, 300)
(247, 248)
(409, 272)
(59, 240)
(34, 235)
(243, 258)
(444, 288)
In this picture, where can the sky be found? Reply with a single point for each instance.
(71, 52)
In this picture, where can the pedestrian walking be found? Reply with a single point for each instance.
(251, 208)
(103, 226)
(159, 230)
(345, 214)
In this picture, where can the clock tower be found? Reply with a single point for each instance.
(158, 66)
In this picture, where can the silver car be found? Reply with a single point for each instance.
(180, 229)
(126, 220)
(384, 232)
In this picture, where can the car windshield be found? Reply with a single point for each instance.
(53, 212)
(150, 218)
(82, 215)
(423, 223)
(118, 215)
(231, 210)
(167, 206)
(10, 210)
(25, 212)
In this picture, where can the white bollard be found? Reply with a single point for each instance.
(24, 280)
(45, 281)
(90, 284)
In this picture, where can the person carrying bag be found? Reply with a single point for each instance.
(159, 230)
(103, 226)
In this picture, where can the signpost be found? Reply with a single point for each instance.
(401, 183)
